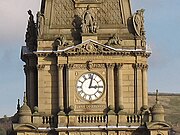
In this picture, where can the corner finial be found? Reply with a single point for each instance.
(157, 93)
(25, 100)
(18, 105)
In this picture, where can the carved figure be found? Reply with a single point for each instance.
(89, 25)
(114, 40)
(138, 22)
(31, 17)
(31, 34)
(61, 41)
(40, 22)
(95, 27)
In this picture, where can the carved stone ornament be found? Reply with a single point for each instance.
(60, 41)
(114, 40)
(138, 22)
(40, 23)
(89, 24)
(40, 67)
(86, 1)
(89, 47)
(31, 34)
(88, 65)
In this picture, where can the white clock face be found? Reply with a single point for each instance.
(90, 86)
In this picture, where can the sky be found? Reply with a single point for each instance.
(162, 20)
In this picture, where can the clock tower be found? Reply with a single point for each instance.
(86, 70)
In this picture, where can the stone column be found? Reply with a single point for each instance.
(139, 86)
(145, 88)
(110, 84)
(69, 93)
(40, 69)
(119, 86)
(60, 87)
(30, 85)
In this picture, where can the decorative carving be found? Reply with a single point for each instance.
(145, 67)
(40, 67)
(70, 66)
(138, 22)
(63, 13)
(31, 34)
(90, 47)
(104, 15)
(60, 66)
(110, 65)
(89, 24)
(60, 41)
(114, 40)
(89, 65)
(119, 65)
(87, 106)
(40, 23)
(138, 66)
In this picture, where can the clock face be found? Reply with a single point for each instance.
(90, 86)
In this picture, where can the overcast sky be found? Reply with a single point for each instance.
(162, 20)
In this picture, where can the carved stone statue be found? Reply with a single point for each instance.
(31, 34)
(138, 22)
(40, 22)
(61, 41)
(89, 25)
(114, 40)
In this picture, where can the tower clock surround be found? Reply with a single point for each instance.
(90, 86)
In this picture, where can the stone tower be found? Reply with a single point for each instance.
(86, 70)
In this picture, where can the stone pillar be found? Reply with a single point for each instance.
(40, 87)
(30, 85)
(69, 93)
(119, 86)
(139, 86)
(135, 87)
(110, 84)
(145, 88)
(138, 94)
(60, 87)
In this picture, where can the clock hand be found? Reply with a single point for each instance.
(90, 84)
(96, 87)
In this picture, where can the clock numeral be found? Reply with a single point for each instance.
(90, 76)
(95, 95)
(99, 81)
(80, 81)
(80, 92)
(84, 77)
(90, 98)
(100, 92)
(79, 87)
(85, 95)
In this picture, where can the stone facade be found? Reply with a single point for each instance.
(87, 71)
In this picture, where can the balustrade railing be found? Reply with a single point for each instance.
(92, 119)
(134, 118)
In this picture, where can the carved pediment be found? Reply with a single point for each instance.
(89, 47)
(158, 125)
(24, 127)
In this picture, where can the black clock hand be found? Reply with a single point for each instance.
(90, 84)
(95, 87)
